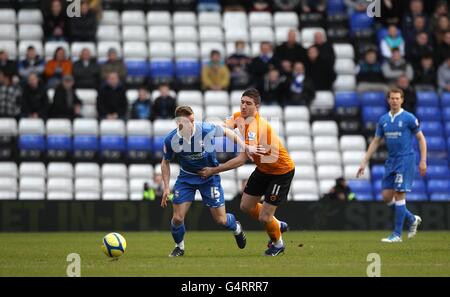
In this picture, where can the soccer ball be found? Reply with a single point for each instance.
(114, 245)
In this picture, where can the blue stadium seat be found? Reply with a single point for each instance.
(413, 196)
(32, 142)
(187, 68)
(161, 69)
(335, 7)
(85, 143)
(438, 172)
(446, 114)
(112, 143)
(360, 21)
(427, 99)
(363, 196)
(447, 129)
(112, 140)
(448, 145)
(360, 185)
(440, 197)
(428, 113)
(373, 99)
(433, 161)
(438, 186)
(137, 67)
(432, 128)
(377, 186)
(139, 143)
(59, 142)
(436, 144)
(346, 99)
(419, 186)
(158, 143)
(445, 99)
(373, 113)
(378, 196)
(377, 172)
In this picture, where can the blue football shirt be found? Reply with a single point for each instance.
(398, 131)
(197, 153)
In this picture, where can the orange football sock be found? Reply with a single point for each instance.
(254, 212)
(272, 228)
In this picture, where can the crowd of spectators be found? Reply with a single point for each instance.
(413, 48)
(413, 53)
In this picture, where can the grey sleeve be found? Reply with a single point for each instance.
(409, 72)
(441, 77)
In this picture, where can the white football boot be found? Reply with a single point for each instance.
(391, 239)
(413, 228)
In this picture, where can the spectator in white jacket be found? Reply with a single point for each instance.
(392, 40)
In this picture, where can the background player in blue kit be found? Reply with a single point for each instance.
(193, 144)
(398, 128)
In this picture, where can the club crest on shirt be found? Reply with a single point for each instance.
(251, 135)
(400, 124)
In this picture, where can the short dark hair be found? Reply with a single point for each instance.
(395, 90)
(214, 52)
(254, 94)
(144, 87)
(371, 50)
(164, 84)
(183, 111)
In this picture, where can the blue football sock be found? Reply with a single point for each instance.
(410, 218)
(178, 232)
(400, 212)
(231, 222)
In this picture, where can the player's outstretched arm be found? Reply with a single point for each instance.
(237, 161)
(165, 171)
(370, 151)
(423, 153)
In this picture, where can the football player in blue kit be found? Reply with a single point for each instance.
(398, 127)
(193, 144)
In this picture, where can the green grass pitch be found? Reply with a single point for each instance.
(216, 254)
